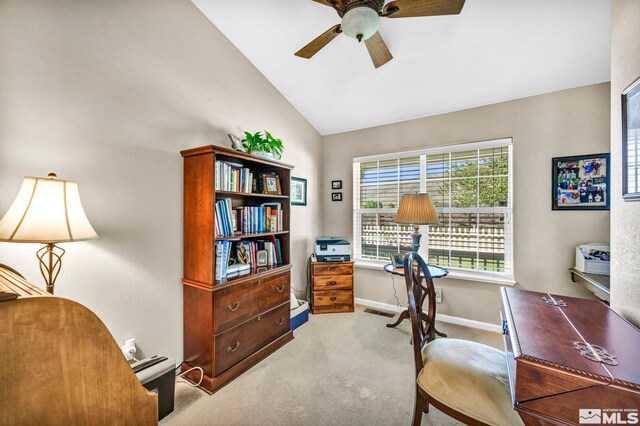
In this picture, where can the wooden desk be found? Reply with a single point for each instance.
(595, 283)
(566, 354)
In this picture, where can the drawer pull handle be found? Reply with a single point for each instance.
(234, 348)
(234, 307)
(332, 268)
(279, 289)
(280, 322)
(332, 283)
(259, 282)
(333, 298)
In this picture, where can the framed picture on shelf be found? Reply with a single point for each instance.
(336, 184)
(261, 258)
(336, 196)
(236, 143)
(298, 191)
(580, 182)
(271, 184)
(631, 142)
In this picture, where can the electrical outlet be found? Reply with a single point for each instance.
(129, 349)
(438, 295)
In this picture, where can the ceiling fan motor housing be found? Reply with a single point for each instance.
(361, 22)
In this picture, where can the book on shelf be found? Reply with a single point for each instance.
(223, 253)
(233, 177)
(229, 221)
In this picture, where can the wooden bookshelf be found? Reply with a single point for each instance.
(223, 329)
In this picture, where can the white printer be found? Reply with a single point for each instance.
(333, 249)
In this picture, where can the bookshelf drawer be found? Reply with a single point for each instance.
(333, 282)
(331, 298)
(235, 344)
(332, 268)
(237, 304)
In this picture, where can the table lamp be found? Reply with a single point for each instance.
(416, 210)
(47, 211)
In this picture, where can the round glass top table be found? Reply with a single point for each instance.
(435, 271)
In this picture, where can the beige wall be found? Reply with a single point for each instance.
(569, 122)
(625, 216)
(107, 93)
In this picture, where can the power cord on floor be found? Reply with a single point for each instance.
(190, 370)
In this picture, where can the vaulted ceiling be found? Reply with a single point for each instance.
(495, 50)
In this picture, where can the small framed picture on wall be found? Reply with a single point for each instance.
(580, 182)
(298, 191)
(336, 196)
(336, 184)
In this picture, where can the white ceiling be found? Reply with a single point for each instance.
(495, 50)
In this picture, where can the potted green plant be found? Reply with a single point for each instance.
(267, 146)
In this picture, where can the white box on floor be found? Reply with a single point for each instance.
(589, 258)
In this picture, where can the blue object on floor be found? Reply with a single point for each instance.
(299, 315)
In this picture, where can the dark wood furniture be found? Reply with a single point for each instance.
(230, 326)
(596, 284)
(60, 364)
(434, 271)
(469, 377)
(331, 287)
(566, 354)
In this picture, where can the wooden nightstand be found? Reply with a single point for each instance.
(331, 287)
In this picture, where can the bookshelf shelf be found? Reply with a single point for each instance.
(234, 306)
(249, 194)
(244, 236)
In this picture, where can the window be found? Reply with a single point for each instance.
(470, 185)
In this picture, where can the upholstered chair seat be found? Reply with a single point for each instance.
(469, 377)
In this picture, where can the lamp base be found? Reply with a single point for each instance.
(50, 267)
(415, 238)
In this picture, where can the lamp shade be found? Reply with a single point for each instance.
(360, 23)
(46, 210)
(417, 209)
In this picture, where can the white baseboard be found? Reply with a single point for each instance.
(495, 328)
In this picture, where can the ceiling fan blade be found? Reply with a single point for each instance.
(378, 50)
(314, 47)
(411, 8)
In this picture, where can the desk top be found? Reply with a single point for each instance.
(435, 271)
(597, 284)
(566, 353)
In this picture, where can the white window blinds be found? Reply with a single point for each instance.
(470, 185)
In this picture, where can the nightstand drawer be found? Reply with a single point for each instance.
(331, 298)
(332, 309)
(329, 268)
(333, 282)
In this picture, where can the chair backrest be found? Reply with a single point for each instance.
(423, 323)
(60, 364)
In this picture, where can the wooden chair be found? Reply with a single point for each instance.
(466, 380)
(60, 365)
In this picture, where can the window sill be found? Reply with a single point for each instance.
(455, 274)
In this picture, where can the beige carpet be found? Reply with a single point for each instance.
(341, 369)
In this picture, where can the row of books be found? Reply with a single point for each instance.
(229, 221)
(248, 255)
(234, 177)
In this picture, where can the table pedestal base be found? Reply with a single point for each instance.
(405, 315)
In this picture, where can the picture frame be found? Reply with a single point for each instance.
(336, 184)
(261, 258)
(271, 184)
(397, 260)
(298, 191)
(236, 143)
(631, 142)
(336, 196)
(581, 182)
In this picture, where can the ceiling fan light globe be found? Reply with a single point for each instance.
(360, 21)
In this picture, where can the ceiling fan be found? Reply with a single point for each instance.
(361, 19)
